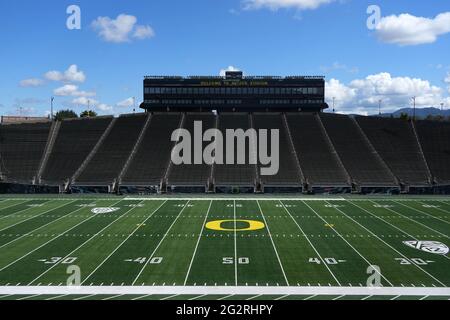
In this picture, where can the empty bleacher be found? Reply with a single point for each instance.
(288, 173)
(319, 164)
(396, 143)
(193, 174)
(21, 150)
(237, 174)
(435, 141)
(149, 164)
(76, 138)
(360, 161)
(107, 163)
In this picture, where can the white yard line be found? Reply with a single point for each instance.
(235, 245)
(56, 297)
(197, 297)
(281, 297)
(423, 212)
(254, 297)
(20, 211)
(169, 297)
(53, 239)
(113, 297)
(309, 241)
(196, 246)
(159, 244)
(348, 243)
(45, 225)
(387, 244)
(84, 243)
(15, 204)
(425, 226)
(223, 290)
(273, 244)
(121, 244)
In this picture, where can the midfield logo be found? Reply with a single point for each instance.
(428, 246)
(104, 210)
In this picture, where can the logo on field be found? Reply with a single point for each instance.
(104, 210)
(248, 225)
(428, 246)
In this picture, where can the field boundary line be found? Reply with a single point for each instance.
(273, 244)
(235, 245)
(348, 243)
(423, 212)
(198, 242)
(310, 243)
(385, 243)
(222, 290)
(53, 239)
(122, 243)
(45, 225)
(415, 221)
(84, 243)
(160, 242)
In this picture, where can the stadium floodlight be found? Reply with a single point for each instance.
(51, 107)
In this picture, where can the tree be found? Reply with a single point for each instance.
(65, 114)
(88, 114)
(404, 116)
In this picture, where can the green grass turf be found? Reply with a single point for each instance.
(165, 242)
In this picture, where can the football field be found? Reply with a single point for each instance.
(220, 248)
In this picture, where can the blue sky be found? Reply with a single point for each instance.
(406, 55)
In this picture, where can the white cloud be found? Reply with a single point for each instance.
(121, 29)
(72, 74)
(104, 107)
(339, 66)
(84, 101)
(143, 32)
(72, 90)
(33, 82)
(126, 103)
(281, 4)
(406, 29)
(362, 95)
(447, 81)
(230, 68)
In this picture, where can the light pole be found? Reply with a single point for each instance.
(414, 108)
(334, 109)
(442, 109)
(379, 107)
(51, 108)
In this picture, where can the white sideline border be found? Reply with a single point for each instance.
(222, 290)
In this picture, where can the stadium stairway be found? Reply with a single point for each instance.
(75, 140)
(395, 142)
(362, 162)
(105, 166)
(320, 166)
(434, 139)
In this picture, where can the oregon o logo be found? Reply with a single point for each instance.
(252, 225)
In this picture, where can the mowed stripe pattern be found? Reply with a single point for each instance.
(155, 242)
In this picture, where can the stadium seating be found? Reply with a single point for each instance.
(237, 174)
(195, 174)
(361, 162)
(288, 173)
(76, 138)
(435, 141)
(396, 143)
(153, 154)
(21, 150)
(107, 163)
(317, 161)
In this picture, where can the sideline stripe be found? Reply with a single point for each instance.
(223, 290)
